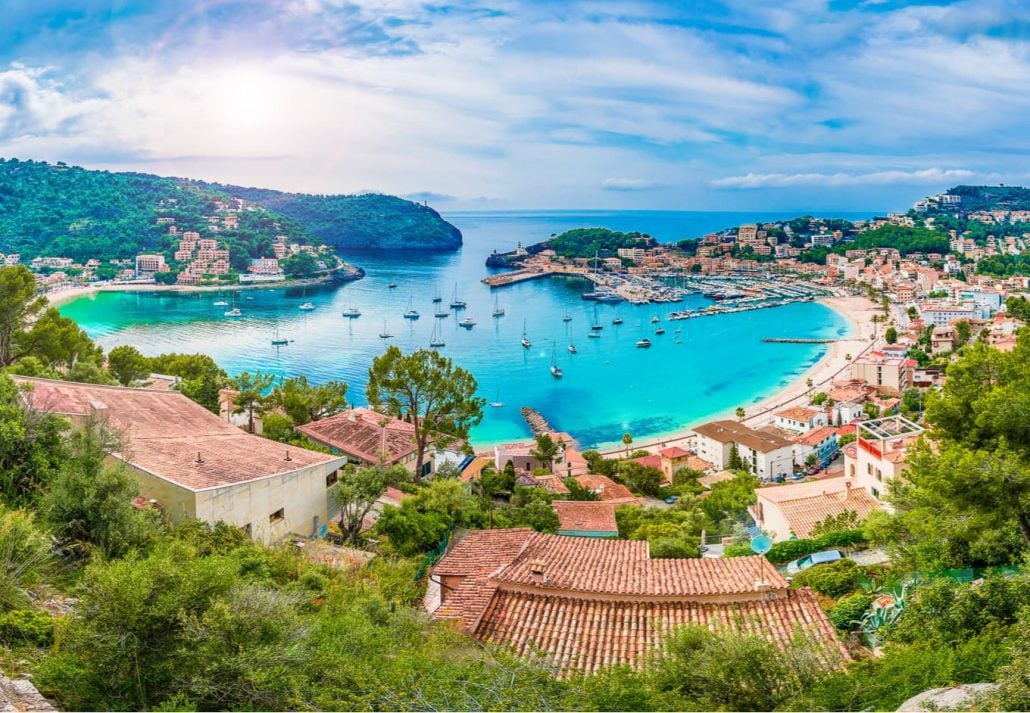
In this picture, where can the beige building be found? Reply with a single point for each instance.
(788, 510)
(887, 372)
(878, 454)
(194, 465)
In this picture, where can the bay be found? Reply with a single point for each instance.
(609, 386)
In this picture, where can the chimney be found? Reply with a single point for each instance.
(199, 460)
(98, 409)
(537, 570)
(287, 458)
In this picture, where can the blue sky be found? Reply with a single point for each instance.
(536, 104)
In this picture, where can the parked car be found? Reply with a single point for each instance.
(803, 563)
(672, 499)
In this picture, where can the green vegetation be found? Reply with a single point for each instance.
(67, 211)
(602, 242)
(369, 221)
(1004, 265)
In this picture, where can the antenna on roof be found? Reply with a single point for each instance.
(288, 455)
(760, 544)
(199, 459)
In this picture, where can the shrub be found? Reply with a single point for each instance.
(739, 550)
(833, 580)
(789, 550)
(849, 610)
(27, 626)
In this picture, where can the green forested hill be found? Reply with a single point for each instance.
(976, 198)
(59, 210)
(360, 222)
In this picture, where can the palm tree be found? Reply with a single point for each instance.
(626, 440)
(740, 413)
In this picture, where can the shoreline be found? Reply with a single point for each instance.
(61, 297)
(856, 310)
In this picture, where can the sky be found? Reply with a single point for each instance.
(532, 104)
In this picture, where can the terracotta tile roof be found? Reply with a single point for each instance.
(727, 431)
(797, 413)
(577, 634)
(699, 463)
(805, 505)
(552, 484)
(851, 450)
(708, 481)
(483, 551)
(649, 461)
(165, 432)
(365, 434)
(674, 452)
(586, 516)
(606, 489)
(816, 436)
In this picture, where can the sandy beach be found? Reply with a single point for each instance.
(60, 297)
(857, 310)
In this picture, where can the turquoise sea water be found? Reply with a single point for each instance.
(609, 386)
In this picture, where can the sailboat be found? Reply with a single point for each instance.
(235, 311)
(556, 371)
(497, 403)
(617, 320)
(385, 334)
(436, 296)
(656, 319)
(597, 326)
(525, 338)
(572, 347)
(455, 302)
(498, 310)
(277, 341)
(412, 313)
(567, 317)
(435, 340)
(352, 313)
(467, 323)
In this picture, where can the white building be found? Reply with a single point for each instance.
(799, 419)
(878, 455)
(766, 454)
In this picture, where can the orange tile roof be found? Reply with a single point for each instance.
(576, 634)
(365, 434)
(816, 436)
(674, 452)
(805, 505)
(651, 461)
(586, 516)
(552, 484)
(585, 603)
(165, 432)
(797, 413)
(606, 488)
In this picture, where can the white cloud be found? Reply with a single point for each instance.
(785, 180)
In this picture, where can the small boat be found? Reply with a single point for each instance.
(352, 313)
(234, 312)
(221, 303)
(436, 296)
(526, 344)
(497, 403)
(248, 297)
(659, 331)
(467, 323)
(392, 285)
(617, 320)
(643, 343)
(556, 371)
(412, 313)
(566, 318)
(436, 341)
(455, 302)
(385, 334)
(307, 306)
(498, 310)
(656, 319)
(572, 348)
(597, 327)
(594, 335)
(442, 315)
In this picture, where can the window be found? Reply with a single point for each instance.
(876, 493)
(869, 468)
(330, 480)
(879, 476)
(278, 516)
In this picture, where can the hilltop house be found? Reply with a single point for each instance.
(192, 464)
(791, 510)
(879, 454)
(584, 604)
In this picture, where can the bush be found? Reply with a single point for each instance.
(790, 550)
(739, 550)
(832, 580)
(849, 610)
(27, 626)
